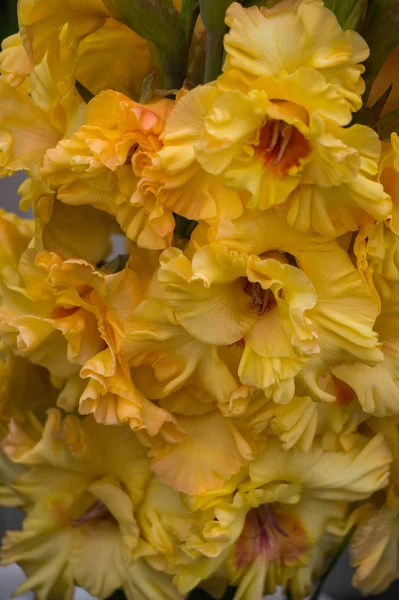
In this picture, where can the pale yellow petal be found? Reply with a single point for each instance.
(208, 455)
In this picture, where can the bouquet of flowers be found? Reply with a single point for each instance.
(217, 406)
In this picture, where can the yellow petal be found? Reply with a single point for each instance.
(26, 132)
(348, 476)
(374, 551)
(103, 56)
(15, 65)
(43, 553)
(208, 455)
(254, 45)
(214, 314)
(155, 339)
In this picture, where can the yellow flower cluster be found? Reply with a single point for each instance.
(211, 409)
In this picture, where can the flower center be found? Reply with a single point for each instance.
(281, 146)
(261, 299)
(97, 510)
(275, 536)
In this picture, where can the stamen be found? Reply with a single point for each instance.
(281, 146)
(275, 134)
(265, 302)
(97, 510)
(256, 294)
(286, 133)
(271, 519)
(259, 297)
(265, 518)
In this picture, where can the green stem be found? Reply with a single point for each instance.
(188, 17)
(213, 57)
(341, 548)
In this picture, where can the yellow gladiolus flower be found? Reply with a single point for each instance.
(234, 139)
(66, 316)
(374, 546)
(105, 165)
(269, 130)
(36, 112)
(103, 47)
(155, 339)
(377, 386)
(25, 131)
(82, 515)
(256, 45)
(241, 289)
(267, 526)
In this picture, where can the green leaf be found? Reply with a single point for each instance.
(266, 3)
(255, 3)
(374, 8)
(330, 4)
(382, 37)
(388, 124)
(350, 12)
(158, 22)
(369, 115)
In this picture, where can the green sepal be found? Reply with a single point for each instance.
(388, 124)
